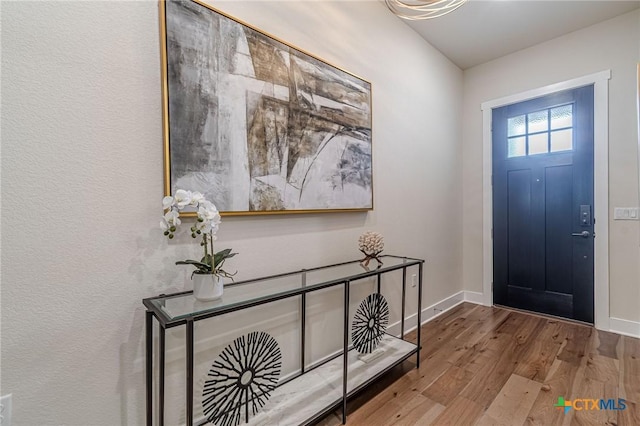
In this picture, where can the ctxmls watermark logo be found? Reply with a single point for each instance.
(585, 404)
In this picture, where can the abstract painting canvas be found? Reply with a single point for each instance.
(257, 125)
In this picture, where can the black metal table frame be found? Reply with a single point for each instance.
(164, 322)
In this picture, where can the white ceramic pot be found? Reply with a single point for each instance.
(207, 286)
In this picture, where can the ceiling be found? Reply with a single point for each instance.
(482, 30)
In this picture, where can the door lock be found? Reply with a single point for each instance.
(585, 215)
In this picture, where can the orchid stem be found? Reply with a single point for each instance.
(204, 240)
(213, 256)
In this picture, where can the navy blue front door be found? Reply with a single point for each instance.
(543, 204)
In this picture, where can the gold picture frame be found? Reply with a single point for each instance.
(257, 125)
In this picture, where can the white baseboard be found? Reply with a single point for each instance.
(439, 308)
(614, 325)
(625, 327)
(473, 297)
(429, 313)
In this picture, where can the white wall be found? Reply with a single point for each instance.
(82, 184)
(614, 45)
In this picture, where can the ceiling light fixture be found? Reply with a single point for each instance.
(414, 10)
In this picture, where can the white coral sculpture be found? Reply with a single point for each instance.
(371, 245)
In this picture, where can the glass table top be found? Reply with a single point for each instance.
(179, 306)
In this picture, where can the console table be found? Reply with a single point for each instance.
(298, 399)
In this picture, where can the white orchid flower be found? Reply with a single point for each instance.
(167, 202)
(215, 226)
(210, 215)
(207, 205)
(172, 217)
(182, 198)
(196, 198)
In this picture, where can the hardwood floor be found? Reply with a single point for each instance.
(491, 366)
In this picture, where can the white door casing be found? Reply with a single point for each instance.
(600, 82)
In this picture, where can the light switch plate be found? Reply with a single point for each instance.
(625, 213)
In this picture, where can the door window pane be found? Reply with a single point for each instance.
(561, 117)
(562, 140)
(540, 132)
(516, 126)
(517, 147)
(538, 121)
(538, 143)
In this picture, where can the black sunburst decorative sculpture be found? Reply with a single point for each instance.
(241, 379)
(370, 323)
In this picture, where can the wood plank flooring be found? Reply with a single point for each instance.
(490, 366)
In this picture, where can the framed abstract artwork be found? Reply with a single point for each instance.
(257, 125)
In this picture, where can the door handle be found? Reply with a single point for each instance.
(583, 234)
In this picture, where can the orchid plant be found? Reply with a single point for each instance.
(206, 226)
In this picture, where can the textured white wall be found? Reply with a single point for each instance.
(82, 169)
(614, 45)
